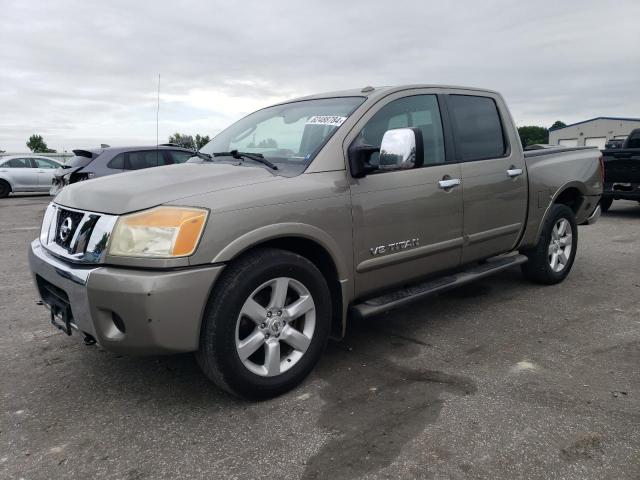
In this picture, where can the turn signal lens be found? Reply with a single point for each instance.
(162, 232)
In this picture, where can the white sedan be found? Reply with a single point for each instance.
(26, 173)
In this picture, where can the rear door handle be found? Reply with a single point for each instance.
(446, 184)
(514, 172)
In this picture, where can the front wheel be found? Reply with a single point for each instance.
(550, 261)
(5, 189)
(266, 324)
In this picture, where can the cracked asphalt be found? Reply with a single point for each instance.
(501, 379)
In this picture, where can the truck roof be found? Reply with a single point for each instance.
(373, 92)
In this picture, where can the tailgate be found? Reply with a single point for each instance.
(622, 166)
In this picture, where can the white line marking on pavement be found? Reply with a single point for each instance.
(16, 229)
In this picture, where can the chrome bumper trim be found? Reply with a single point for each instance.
(593, 218)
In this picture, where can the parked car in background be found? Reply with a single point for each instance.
(622, 171)
(100, 162)
(614, 143)
(302, 213)
(26, 173)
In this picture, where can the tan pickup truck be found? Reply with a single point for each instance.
(300, 215)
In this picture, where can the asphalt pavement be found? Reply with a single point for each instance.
(502, 379)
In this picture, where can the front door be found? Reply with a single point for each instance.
(406, 223)
(494, 177)
(24, 177)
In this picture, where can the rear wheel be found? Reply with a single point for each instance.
(5, 188)
(605, 203)
(550, 261)
(266, 324)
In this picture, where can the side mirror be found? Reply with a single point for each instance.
(359, 155)
(401, 149)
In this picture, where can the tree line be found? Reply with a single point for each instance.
(531, 134)
(37, 144)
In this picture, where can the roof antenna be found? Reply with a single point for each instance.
(158, 113)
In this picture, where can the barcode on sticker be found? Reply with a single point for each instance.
(326, 120)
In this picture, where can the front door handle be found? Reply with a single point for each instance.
(447, 183)
(514, 172)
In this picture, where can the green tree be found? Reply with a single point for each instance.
(531, 134)
(268, 143)
(188, 141)
(557, 124)
(37, 144)
(201, 141)
(181, 139)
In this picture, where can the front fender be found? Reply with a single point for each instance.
(281, 230)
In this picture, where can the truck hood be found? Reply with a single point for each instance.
(141, 189)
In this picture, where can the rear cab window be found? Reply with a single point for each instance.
(477, 128)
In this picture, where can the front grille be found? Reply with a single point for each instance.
(66, 226)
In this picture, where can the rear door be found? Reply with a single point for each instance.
(494, 177)
(45, 168)
(21, 172)
(405, 226)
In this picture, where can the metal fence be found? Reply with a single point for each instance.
(58, 156)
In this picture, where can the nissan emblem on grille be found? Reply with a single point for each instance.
(65, 229)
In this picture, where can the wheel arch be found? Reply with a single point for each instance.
(313, 244)
(571, 194)
(7, 181)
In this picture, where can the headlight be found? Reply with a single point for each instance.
(47, 221)
(160, 232)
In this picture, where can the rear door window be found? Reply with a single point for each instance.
(142, 159)
(477, 127)
(44, 163)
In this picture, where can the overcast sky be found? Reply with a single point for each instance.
(82, 73)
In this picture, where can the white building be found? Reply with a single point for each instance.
(594, 132)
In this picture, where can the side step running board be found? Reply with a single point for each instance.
(406, 295)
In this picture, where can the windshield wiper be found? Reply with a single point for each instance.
(256, 157)
(204, 156)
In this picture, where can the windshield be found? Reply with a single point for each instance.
(288, 135)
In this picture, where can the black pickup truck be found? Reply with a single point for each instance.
(622, 172)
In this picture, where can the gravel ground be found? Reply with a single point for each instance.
(500, 379)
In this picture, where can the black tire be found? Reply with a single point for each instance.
(538, 268)
(605, 203)
(218, 357)
(5, 189)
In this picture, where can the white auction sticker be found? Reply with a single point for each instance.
(326, 120)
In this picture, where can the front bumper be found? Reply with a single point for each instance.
(136, 312)
(593, 218)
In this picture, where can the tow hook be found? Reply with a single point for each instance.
(89, 340)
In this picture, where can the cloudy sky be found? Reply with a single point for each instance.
(82, 73)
